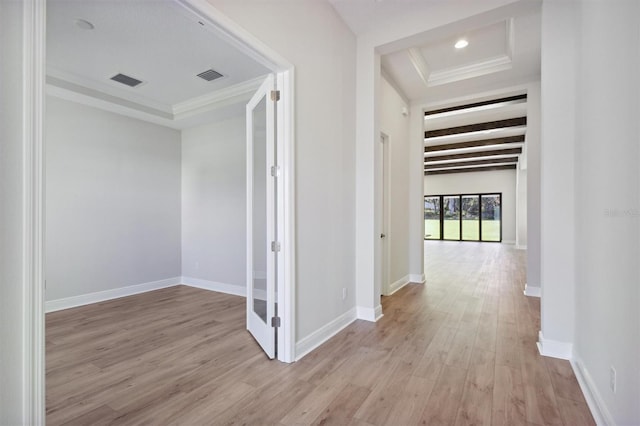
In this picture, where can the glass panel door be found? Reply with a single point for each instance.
(470, 217)
(432, 218)
(261, 213)
(451, 217)
(491, 217)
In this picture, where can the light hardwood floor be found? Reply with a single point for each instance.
(460, 350)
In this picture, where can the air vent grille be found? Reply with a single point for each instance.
(209, 75)
(126, 80)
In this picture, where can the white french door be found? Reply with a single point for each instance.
(262, 245)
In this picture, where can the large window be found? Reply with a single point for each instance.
(463, 217)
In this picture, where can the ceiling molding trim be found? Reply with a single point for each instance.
(216, 99)
(115, 105)
(420, 64)
(489, 66)
(108, 88)
(511, 37)
(392, 81)
(82, 93)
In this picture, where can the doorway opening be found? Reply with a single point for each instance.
(206, 16)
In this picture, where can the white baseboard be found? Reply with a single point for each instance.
(417, 278)
(510, 242)
(395, 286)
(369, 314)
(101, 296)
(532, 291)
(215, 286)
(554, 348)
(598, 407)
(318, 337)
(521, 247)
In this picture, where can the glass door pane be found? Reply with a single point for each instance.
(260, 239)
(470, 217)
(451, 211)
(432, 218)
(491, 217)
(261, 226)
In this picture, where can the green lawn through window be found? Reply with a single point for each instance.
(490, 230)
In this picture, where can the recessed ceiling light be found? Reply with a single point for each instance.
(461, 44)
(84, 24)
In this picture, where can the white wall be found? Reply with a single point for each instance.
(11, 303)
(532, 146)
(503, 181)
(214, 202)
(311, 36)
(521, 207)
(396, 126)
(558, 92)
(113, 200)
(607, 203)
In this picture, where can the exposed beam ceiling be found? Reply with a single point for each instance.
(469, 169)
(465, 128)
(490, 161)
(478, 127)
(476, 143)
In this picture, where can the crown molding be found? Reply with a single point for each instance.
(420, 64)
(489, 66)
(176, 116)
(435, 78)
(221, 97)
(72, 81)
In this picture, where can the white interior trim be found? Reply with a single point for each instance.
(532, 291)
(324, 333)
(34, 42)
(397, 285)
(488, 66)
(369, 314)
(598, 407)
(417, 278)
(554, 348)
(101, 296)
(286, 210)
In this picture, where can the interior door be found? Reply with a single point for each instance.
(261, 217)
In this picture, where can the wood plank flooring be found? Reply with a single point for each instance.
(458, 351)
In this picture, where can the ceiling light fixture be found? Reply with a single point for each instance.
(461, 44)
(84, 24)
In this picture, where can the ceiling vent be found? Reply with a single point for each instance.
(209, 75)
(126, 80)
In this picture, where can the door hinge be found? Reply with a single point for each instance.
(275, 246)
(275, 321)
(275, 171)
(275, 95)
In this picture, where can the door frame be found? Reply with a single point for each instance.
(33, 190)
(384, 196)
